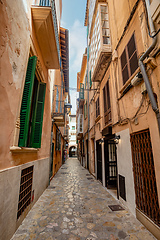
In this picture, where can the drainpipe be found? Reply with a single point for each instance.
(142, 67)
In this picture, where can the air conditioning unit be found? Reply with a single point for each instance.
(137, 79)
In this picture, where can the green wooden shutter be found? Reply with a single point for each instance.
(37, 119)
(90, 81)
(26, 101)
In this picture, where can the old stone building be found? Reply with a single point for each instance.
(122, 139)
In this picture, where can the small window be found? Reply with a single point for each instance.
(90, 79)
(58, 141)
(73, 127)
(129, 60)
(25, 192)
(32, 107)
(97, 108)
(105, 24)
(107, 103)
(85, 110)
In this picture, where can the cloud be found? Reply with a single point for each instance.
(77, 41)
(63, 24)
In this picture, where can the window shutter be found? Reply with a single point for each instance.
(26, 101)
(132, 53)
(90, 78)
(37, 120)
(108, 95)
(124, 66)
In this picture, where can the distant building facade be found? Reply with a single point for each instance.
(72, 136)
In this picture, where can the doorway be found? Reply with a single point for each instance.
(99, 161)
(110, 164)
(87, 154)
(51, 162)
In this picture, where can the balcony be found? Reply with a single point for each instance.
(80, 127)
(81, 95)
(101, 63)
(100, 43)
(59, 119)
(46, 30)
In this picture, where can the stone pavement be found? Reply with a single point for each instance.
(75, 207)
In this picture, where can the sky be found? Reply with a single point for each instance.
(73, 16)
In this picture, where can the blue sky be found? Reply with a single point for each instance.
(73, 16)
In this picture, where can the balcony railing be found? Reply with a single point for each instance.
(51, 3)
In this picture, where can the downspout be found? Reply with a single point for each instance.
(143, 70)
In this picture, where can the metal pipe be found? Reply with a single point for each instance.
(142, 67)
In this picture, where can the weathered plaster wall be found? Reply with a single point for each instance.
(124, 162)
(9, 188)
(16, 29)
(14, 49)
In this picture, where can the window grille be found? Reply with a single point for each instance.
(25, 190)
(144, 175)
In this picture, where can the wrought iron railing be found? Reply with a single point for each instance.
(51, 3)
(144, 175)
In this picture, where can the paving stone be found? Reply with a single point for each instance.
(75, 208)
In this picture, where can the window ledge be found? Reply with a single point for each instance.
(17, 149)
(129, 80)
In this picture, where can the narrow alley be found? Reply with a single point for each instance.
(75, 206)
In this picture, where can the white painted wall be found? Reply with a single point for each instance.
(124, 162)
(9, 194)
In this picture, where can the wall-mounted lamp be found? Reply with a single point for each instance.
(101, 141)
(116, 139)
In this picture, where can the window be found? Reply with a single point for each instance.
(25, 192)
(86, 82)
(97, 108)
(95, 42)
(57, 99)
(90, 81)
(58, 140)
(73, 127)
(107, 103)
(32, 107)
(105, 24)
(129, 60)
(85, 110)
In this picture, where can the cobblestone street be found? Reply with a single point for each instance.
(75, 207)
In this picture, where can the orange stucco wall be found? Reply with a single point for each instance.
(18, 38)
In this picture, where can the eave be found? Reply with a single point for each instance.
(45, 34)
(59, 120)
